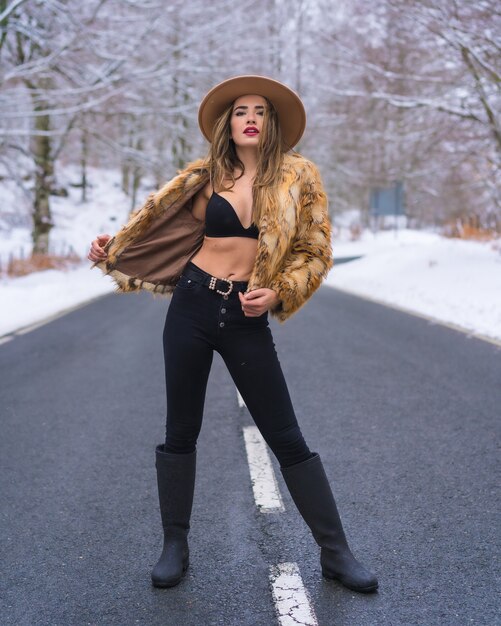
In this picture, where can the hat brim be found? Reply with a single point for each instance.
(290, 109)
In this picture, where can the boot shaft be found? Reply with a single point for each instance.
(312, 494)
(176, 484)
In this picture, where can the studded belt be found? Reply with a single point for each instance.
(224, 286)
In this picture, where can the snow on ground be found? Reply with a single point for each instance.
(76, 222)
(28, 299)
(449, 280)
(31, 298)
(454, 281)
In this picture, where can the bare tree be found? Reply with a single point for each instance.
(394, 89)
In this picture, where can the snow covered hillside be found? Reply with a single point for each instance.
(28, 299)
(449, 280)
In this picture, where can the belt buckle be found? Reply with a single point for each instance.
(212, 285)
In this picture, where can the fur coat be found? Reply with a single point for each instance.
(294, 252)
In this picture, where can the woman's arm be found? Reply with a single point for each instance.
(310, 256)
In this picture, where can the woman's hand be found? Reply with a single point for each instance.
(258, 301)
(96, 252)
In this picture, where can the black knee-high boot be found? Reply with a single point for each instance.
(311, 492)
(176, 483)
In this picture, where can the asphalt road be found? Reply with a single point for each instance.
(404, 413)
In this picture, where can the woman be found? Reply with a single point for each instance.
(240, 234)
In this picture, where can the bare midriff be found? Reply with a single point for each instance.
(227, 257)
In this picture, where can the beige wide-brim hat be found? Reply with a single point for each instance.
(290, 109)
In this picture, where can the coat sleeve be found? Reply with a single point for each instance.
(309, 258)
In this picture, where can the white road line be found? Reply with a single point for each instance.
(264, 484)
(240, 400)
(291, 599)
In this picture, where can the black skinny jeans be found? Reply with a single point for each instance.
(199, 321)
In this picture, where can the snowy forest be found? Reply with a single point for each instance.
(402, 90)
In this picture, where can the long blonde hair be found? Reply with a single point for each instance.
(222, 158)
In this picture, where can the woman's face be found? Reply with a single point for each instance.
(246, 123)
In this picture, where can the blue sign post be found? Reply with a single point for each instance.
(387, 200)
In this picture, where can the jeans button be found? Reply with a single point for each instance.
(221, 324)
(223, 310)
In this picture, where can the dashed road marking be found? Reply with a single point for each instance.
(291, 599)
(264, 483)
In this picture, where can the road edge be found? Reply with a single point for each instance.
(23, 330)
(433, 320)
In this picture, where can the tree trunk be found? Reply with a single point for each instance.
(83, 164)
(180, 146)
(44, 178)
(136, 177)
